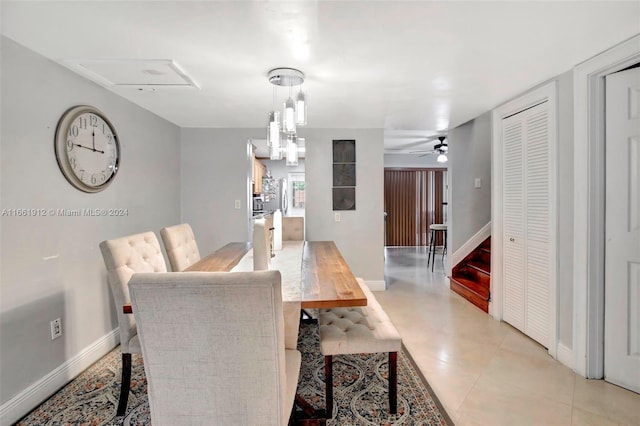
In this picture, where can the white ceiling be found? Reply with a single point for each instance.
(414, 68)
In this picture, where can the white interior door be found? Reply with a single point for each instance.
(622, 235)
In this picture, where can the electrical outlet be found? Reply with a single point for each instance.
(337, 216)
(56, 328)
(237, 204)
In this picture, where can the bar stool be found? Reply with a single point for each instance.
(433, 230)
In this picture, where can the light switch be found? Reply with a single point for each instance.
(337, 215)
(478, 183)
(237, 204)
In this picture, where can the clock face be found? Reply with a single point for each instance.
(87, 149)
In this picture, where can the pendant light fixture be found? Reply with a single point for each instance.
(442, 158)
(294, 113)
(301, 109)
(289, 117)
(273, 136)
(292, 151)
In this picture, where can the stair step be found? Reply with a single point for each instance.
(461, 286)
(475, 275)
(483, 267)
(481, 290)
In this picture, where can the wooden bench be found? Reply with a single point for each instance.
(355, 330)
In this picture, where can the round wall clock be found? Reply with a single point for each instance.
(87, 148)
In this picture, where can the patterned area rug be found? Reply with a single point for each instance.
(360, 392)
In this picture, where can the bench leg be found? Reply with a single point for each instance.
(393, 382)
(328, 380)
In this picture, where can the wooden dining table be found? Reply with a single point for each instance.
(325, 279)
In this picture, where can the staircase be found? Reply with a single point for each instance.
(471, 277)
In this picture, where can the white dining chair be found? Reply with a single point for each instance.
(123, 257)
(181, 246)
(213, 346)
(261, 245)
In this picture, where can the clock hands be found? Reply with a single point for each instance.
(89, 148)
(93, 138)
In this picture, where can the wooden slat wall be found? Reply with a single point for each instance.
(413, 201)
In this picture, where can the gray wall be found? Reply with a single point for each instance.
(216, 171)
(51, 267)
(359, 234)
(469, 158)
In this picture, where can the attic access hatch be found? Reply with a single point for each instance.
(141, 75)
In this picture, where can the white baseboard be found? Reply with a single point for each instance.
(34, 395)
(471, 244)
(376, 285)
(565, 355)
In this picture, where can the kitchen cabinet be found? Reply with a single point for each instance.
(259, 170)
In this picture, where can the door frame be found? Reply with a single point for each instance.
(546, 92)
(588, 203)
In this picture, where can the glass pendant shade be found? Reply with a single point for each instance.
(273, 136)
(289, 117)
(442, 158)
(301, 110)
(292, 151)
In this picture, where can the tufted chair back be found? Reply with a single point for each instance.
(181, 246)
(216, 355)
(261, 245)
(124, 257)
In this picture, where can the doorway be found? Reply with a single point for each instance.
(589, 204)
(414, 198)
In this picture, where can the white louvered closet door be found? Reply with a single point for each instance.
(527, 222)
(513, 250)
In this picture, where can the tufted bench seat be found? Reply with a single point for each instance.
(355, 330)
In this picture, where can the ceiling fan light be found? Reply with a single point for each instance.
(442, 158)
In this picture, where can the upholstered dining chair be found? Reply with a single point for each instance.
(213, 348)
(180, 244)
(261, 245)
(123, 257)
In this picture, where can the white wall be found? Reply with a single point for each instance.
(359, 234)
(469, 158)
(51, 266)
(413, 160)
(215, 173)
(565, 209)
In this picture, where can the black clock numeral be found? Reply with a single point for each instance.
(73, 131)
(81, 171)
(93, 121)
(73, 162)
(82, 122)
(69, 145)
(94, 179)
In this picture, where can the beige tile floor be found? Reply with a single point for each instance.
(483, 371)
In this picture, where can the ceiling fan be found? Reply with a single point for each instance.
(441, 149)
